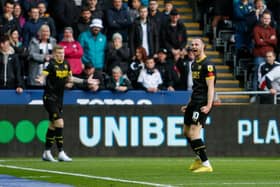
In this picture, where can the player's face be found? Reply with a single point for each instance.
(59, 54)
(197, 47)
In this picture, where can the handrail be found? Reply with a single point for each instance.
(249, 93)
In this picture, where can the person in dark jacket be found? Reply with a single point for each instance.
(136, 66)
(32, 26)
(165, 67)
(141, 28)
(46, 18)
(117, 82)
(83, 22)
(117, 55)
(174, 34)
(10, 69)
(65, 13)
(117, 19)
(7, 20)
(89, 71)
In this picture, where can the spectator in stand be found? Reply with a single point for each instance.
(40, 53)
(46, 18)
(96, 11)
(117, 19)
(144, 33)
(97, 82)
(155, 15)
(65, 13)
(145, 2)
(222, 11)
(117, 55)
(94, 44)
(73, 51)
(149, 78)
(271, 82)
(174, 34)
(265, 40)
(83, 22)
(264, 68)
(10, 69)
(32, 26)
(118, 82)
(168, 6)
(241, 11)
(18, 14)
(7, 20)
(136, 66)
(184, 70)
(28, 4)
(133, 9)
(274, 6)
(165, 67)
(19, 49)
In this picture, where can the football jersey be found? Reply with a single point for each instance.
(57, 75)
(201, 71)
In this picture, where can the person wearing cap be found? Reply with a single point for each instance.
(118, 82)
(165, 67)
(174, 34)
(94, 44)
(117, 19)
(144, 33)
(117, 55)
(73, 51)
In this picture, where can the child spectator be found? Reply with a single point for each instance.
(149, 77)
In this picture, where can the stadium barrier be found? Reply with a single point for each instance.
(146, 130)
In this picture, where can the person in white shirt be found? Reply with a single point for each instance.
(149, 77)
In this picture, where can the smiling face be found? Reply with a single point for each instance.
(198, 48)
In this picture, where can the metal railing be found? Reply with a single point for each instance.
(249, 93)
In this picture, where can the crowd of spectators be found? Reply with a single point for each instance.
(125, 45)
(256, 31)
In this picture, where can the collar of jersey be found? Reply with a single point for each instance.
(59, 62)
(202, 59)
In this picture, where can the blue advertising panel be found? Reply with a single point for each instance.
(34, 97)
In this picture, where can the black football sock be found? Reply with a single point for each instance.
(199, 149)
(50, 138)
(59, 138)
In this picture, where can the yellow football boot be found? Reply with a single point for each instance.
(203, 169)
(196, 164)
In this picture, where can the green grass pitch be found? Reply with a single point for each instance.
(135, 172)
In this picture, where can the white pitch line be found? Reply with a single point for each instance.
(86, 176)
(231, 183)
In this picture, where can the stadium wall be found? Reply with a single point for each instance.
(153, 130)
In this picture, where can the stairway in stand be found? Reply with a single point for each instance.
(226, 82)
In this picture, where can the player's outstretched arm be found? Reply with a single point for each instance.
(41, 79)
